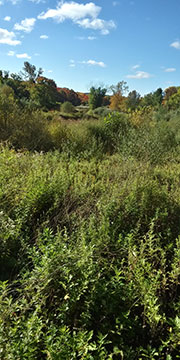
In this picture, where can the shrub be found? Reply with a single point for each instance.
(67, 107)
(102, 111)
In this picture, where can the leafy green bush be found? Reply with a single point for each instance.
(150, 142)
(102, 111)
(111, 132)
(67, 107)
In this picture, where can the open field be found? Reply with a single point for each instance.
(90, 244)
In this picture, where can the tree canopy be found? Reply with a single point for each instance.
(96, 97)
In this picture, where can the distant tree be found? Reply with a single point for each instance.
(19, 87)
(17, 77)
(30, 72)
(153, 99)
(7, 110)
(83, 98)
(158, 96)
(117, 99)
(44, 93)
(45, 81)
(169, 92)
(120, 88)
(4, 75)
(133, 100)
(96, 97)
(173, 101)
(147, 100)
(69, 95)
(106, 100)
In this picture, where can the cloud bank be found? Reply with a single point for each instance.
(84, 15)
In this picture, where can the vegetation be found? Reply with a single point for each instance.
(67, 107)
(89, 225)
(96, 97)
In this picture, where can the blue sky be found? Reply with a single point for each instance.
(100, 42)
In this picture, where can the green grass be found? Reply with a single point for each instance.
(89, 240)
(90, 252)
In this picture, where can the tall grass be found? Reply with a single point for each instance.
(89, 238)
(90, 250)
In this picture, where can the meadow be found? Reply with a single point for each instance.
(89, 233)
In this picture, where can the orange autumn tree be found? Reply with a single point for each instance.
(83, 98)
(118, 99)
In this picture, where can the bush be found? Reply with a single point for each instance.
(102, 111)
(111, 132)
(67, 107)
(150, 142)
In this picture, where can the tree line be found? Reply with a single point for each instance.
(31, 88)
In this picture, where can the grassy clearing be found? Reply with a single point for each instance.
(90, 249)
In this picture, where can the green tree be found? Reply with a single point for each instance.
(96, 97)
(158, 96)
(44, 94)
(174, 101)
(133, 100)
(153, 99)
(169, 92)
(20, 89)
(30, 72)
(120, 88)
(8, 110)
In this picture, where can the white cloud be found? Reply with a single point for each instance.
(92, 38)
(135, 67)
(139, 75)
(170, 70)
(44, 37)
(26, 25)
(72, 63)
(23, 56)
(49, 71)
(85, 15)
(176, 45)
(11, 53)
(97, 24)
(71, 10)
(8, 37)
(7, 18)
(94, 63)
(1, 3)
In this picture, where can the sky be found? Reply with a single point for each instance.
(101, 42)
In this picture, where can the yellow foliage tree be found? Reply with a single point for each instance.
(118, 99)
